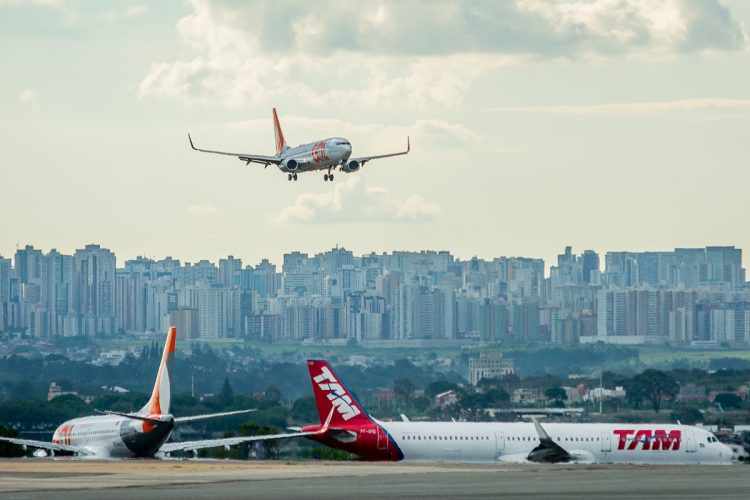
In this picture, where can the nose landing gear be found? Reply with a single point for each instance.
(327, 177)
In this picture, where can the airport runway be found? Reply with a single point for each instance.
(150, 479)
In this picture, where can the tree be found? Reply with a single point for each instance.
(728, 400)
(7, 449)
(304, 410)
(403, 388)
(272, 394)
(654, 386)
(226, 396)
(687, 415)
(271, 447)
(556, 394)
(496, 397)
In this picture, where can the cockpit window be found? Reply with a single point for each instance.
(343, 143)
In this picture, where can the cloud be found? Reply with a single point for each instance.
(202, 209)
(633, 108)
(41, 3)
(350, 55)
(29, 97)
(540, 27)
(136, 10)
(351, 201)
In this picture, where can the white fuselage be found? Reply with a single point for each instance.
(592, 443)
(319, 155)
(112, 436)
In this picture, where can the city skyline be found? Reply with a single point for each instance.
(600, 124)
(685, 296)
(278, 258)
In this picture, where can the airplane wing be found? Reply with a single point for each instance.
(193, 418)
(364, 159)
(548, 451)
(227, 442)
(46, 445)
(247, 158)
(234, 441)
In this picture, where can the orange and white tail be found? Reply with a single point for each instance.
(279, 134)
(161, 395)
(331, 393)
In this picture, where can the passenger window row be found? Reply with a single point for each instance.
(432, 437)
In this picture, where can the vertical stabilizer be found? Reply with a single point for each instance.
(279, 134)
(330, 392)
(161, 395)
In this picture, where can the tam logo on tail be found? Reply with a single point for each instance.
(336, 394)
(332, 397)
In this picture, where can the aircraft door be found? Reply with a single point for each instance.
(606, 441)
(690, 445)
(499, 444)
(382, 439)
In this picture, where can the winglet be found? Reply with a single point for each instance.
(408, 145)
(191, 142)
(540, 430)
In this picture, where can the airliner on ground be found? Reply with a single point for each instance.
(140, 434)
(353, 430)
(325, 154)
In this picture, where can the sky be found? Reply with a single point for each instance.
(534, 124)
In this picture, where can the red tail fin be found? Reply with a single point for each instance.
(330, 392)
(162, 392)
(277, 132)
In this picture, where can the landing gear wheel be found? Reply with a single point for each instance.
(330, 177)
(325, 178)
(295, 177)
(289, 177)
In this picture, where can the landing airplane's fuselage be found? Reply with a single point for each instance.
(320, 155)
(327, 154)
(513, 442)
(109, 436)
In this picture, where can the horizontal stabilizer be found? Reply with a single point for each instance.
(131, 415)
(193, 446)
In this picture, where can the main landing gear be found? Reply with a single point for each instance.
(327, 177)
(292, 177)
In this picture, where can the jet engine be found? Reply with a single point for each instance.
(291, 165)
(351, 166)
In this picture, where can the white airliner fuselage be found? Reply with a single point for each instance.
(586, 443)
(112, 436)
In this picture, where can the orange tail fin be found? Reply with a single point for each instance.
(279, 134)
(162, 393)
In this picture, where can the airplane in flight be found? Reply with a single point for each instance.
(325, 154)
(353, 430)
(140, 434)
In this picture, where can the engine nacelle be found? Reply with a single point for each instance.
(291, 165)
(351, 166)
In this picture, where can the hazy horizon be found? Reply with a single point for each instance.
(602, 125)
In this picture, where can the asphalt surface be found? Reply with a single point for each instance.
(143, 480)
